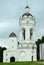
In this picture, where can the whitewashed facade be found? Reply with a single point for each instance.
(25, 49)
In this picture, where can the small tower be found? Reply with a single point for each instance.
(12, 41)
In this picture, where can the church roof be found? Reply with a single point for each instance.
(27, 14)
(12, 34)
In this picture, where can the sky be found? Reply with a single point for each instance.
(11, 10)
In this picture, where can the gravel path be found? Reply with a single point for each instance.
(40, 62)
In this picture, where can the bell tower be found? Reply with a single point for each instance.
(27, 27)
(27, 35)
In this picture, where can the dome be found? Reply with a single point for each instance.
(27, 14)
(12, 34)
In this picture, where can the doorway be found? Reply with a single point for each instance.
(12, 59)
(32, 58)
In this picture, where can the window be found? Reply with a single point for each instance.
(6, 59)
(6, 54)
(18, 43)
(24, 34)
(12, 40)
(32, 47)
(31, 33)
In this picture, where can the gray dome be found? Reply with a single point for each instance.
(27, 14)
(12, 35)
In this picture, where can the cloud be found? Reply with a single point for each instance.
(11, 10)
(39, 33)
(8, 26)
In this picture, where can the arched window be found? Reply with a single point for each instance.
(32, 47)
(31, 33)
(6, 54)
(24, 34)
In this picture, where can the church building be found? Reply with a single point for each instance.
(25, 48)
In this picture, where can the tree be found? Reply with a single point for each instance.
(1, 53)
(4, 48)
(38, 53)
(39, 41)
(42, 39)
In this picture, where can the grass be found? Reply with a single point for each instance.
(41, 60)
(21, 63)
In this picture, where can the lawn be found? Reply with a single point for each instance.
(21, 63)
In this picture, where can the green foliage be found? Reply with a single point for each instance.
(1, 53)
(43, 39)
(39, 41)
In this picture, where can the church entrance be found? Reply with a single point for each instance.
(12, 59)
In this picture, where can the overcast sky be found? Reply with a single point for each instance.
(11, 10)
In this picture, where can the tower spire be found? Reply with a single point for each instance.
(26, 2)
(27, 7)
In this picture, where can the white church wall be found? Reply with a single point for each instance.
(12, 43)
(24, 55)
(34, 55)
(8, 54)
(12, 50)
